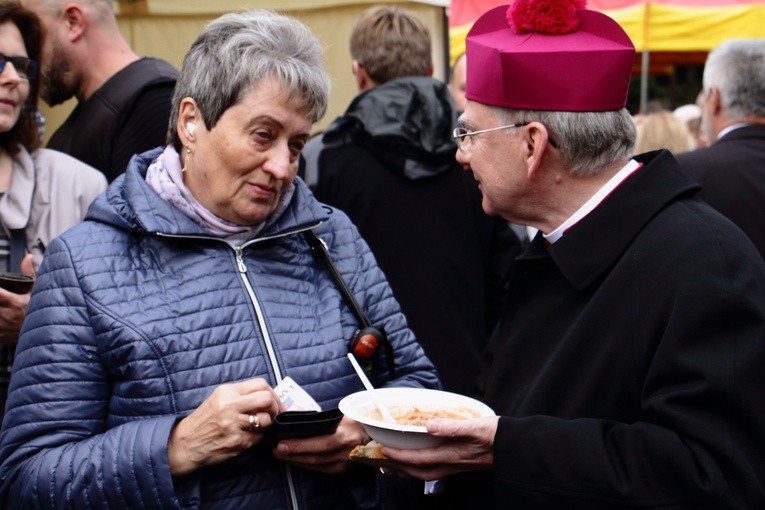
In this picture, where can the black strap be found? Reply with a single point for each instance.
(320, 251)
(144, 73)
(318, 248)
(18, 248)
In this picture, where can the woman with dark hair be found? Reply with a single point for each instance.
(42, 192)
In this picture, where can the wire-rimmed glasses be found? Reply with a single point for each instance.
(25, 67)
(464, 138)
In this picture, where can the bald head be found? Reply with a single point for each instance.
(101, 10)
(83, 47)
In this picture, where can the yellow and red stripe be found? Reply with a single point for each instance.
(657, 25)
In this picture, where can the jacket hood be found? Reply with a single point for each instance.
(407, 123)
(130, 204)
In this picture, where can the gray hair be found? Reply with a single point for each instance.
(236, 52)
(737, 69)
(587, 141)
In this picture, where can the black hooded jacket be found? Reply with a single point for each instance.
(389, 163)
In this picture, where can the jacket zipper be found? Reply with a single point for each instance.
(259, 312)
(242, 268)
(271, 352)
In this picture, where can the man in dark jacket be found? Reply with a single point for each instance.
(389, 164)
(123, 101)
(731, 170)
(627, 367)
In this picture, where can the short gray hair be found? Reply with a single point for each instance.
(236, 52)
(587, 141)
(737, 69)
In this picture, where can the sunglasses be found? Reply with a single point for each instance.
(25, 67)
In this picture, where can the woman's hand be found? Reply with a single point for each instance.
(326, 454)
(13, 307)
(221, 427)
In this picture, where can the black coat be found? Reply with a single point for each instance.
(732, 175)
(389, 163)
(629, 365)
(127, 115)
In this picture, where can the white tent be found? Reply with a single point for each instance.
(166, 29)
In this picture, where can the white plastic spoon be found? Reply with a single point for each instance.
(370, 389)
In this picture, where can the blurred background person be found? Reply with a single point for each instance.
(730, 169)
(691, 115)
(188, 293)
(123, 101)
(389, 164)
(662, 130)
(457, 77)
(42, 192)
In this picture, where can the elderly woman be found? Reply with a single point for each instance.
(159, 328)
(42, 192)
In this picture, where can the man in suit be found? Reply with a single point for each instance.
(731, 170)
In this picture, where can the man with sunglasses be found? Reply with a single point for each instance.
(627, 369)
(123, 101)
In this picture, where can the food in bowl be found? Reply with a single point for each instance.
(415, 406)
(417, 416)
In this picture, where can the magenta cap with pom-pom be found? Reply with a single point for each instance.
(587, 69)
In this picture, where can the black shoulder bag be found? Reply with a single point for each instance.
(367, 339)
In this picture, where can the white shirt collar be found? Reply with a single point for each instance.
(594, 201)
(731, 128)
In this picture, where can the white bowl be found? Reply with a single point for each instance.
(360, 407)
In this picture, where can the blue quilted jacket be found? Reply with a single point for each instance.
(137, 315)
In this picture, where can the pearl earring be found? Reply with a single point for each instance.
(186, 160)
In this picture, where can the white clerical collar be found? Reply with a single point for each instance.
(593, 202)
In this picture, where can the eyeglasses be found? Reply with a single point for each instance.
(25, 67)
(464, 138)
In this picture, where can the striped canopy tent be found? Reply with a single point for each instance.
(680, 31)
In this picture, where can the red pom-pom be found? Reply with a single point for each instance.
(544, 16)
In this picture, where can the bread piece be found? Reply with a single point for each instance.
(370, 454)
(370, 451)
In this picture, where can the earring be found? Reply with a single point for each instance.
(186, 160)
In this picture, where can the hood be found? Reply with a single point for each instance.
(407, 123)
(130, 204)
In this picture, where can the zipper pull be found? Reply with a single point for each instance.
(240, 260)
